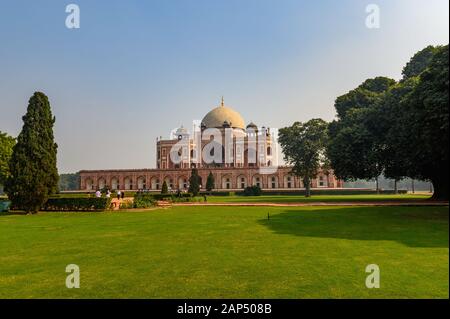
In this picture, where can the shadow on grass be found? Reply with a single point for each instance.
(411, 226)
(12, 212)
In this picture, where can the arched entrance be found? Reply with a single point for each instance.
(257, 181)
(288, 181)
(273, 181)
(155, 183)
(182, 183)
(169, 182)
(226, 182)
(128, 183)
(101, 183)
(89, 184)
(114, 183)
(141, 182)
(241, 181)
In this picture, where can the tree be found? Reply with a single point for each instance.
(402, 131)
(419, 62)
(427, 118)
(387, 125)
(164, 188)
(352, 148)
(69, 182)
(303, 147)
(413, 117)
(364, 96)
(194, 182)
(33, 172)
(210, 182)
(6, 147)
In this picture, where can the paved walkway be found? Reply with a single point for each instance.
(304, 204)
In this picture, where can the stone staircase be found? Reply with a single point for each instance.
(163, 203)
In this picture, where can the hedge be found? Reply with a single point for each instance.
(187, 199)
(170, 196)
(336, 191)
(143, 200)
(217, 193)
(77, 204)
(252, 191)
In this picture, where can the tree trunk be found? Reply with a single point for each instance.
(378, 189)
(413, 189)
(441, 188)
(395, 187)
(307, 184)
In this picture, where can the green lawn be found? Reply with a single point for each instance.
(228, 252)
(317, 198)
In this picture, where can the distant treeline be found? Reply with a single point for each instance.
(385, 183)
(69, 182)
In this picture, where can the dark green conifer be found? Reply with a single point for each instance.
(33, 172)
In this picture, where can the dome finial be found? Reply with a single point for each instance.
(222, 103)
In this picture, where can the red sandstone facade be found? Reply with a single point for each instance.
(237, 155)
(225, 179)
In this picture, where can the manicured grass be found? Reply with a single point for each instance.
(316, 198)
(228, 252)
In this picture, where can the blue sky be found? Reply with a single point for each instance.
(137, 69)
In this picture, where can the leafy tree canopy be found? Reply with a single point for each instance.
(427, 117)
(398, 129)
(419, 62)
(303, 147)
(6, 148)
(352, 150)
(366, 95)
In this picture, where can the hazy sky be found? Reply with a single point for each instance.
(137, 69)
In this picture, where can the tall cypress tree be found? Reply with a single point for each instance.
(33, 173)
(164, 188)
(194, 182)
(210, 182)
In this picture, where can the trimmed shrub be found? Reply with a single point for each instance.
(187, 199)
(170, 196)
(142, 200)
(252, 191)
(126, 204)
(77, 204)
(184, 195)
(164, 188)
(162, 196)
